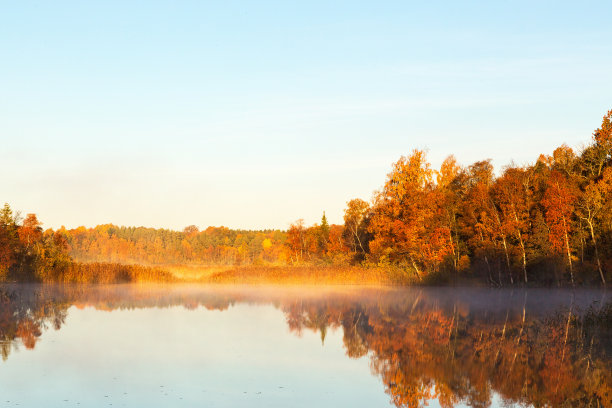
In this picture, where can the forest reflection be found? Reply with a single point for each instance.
(534, 347)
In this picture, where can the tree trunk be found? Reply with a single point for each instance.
(603, 280)
(416, 268)
(359, 241)
(452, 244)
(507, 258)
(455, 229)
(569, 255)
(581, 244)
(520, 237)
(504, 242)
(487, 262)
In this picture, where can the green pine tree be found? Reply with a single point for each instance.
(323, 233)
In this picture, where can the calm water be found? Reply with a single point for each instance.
(161, 346)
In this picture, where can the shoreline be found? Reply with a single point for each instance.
(276, 275)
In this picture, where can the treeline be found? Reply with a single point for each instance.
(29, 254)
(149, 246)
(549, 222)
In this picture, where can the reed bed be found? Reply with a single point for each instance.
(304, 275)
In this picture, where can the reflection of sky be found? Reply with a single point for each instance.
(238, 357)
(141, 355)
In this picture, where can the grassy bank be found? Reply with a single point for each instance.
(109, 273)
(105, 273)
(310, 275)
(114, 273)
(286, 275)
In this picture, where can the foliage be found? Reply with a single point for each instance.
(549, 222)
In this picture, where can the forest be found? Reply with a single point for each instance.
(547, 223)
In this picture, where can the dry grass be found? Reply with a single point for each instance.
(252, 274)
(288, 275)
(108, 273)
(301, 275)
(198, 273)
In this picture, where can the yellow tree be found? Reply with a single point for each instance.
(451, 188)
(511, 193)
(558, 202)
(480, 221)
(592, 202)
(598, 155)
(354, 224)
(30, 231)
(403, 221)
(296, 240)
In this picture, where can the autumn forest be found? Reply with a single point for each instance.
(547, 223)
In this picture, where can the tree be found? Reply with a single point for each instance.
(559, 198)
(191, 231)
(8, 240)
(7, 253)
(355, 224)
(564, 160)
(450, 184)
(480, 221)
(30, 231)
(404, 221)
(599, 154)
(511, 193)
(603, 139)
(296, 240)
(593, 200)
(7, 219)
(323, 234)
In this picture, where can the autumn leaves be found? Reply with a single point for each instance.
(549, 222)
(555, 213)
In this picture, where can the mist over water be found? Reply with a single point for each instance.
(228, 346)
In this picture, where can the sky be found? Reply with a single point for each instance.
(255, 114)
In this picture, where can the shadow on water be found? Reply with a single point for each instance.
(535, 347)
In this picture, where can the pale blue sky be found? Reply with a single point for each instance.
(255, 114)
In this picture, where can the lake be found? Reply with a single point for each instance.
(261, 346)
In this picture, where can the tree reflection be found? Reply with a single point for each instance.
(25, 314)
(532, 347)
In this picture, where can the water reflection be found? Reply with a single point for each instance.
(454, 346)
